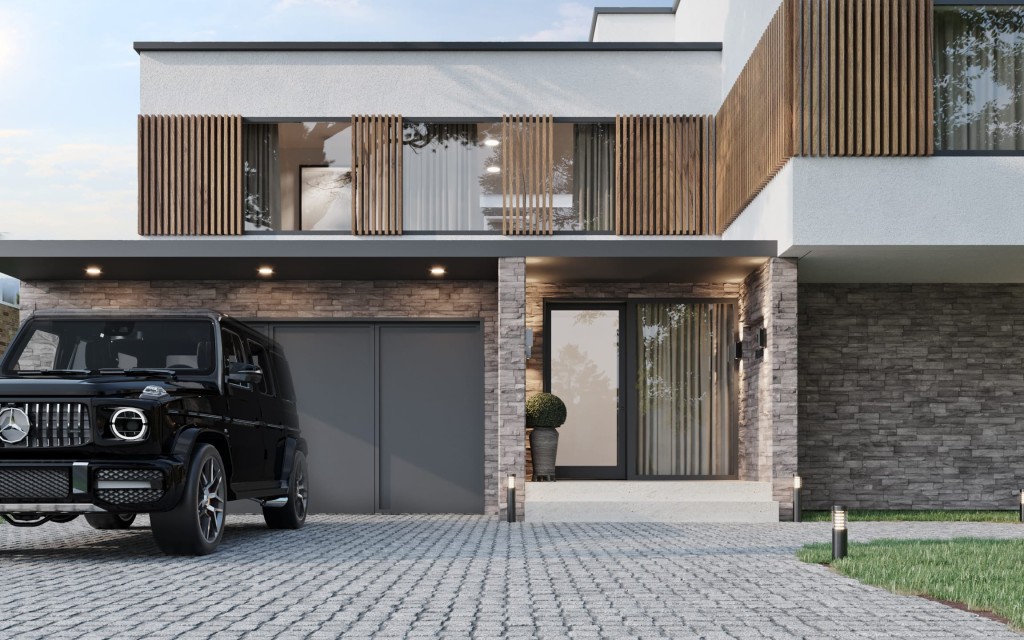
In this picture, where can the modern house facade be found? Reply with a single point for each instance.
(810, 263)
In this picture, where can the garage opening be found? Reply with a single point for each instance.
(393, 412)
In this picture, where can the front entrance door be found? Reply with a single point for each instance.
(585, 368)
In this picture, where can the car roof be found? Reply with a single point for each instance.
(129, 313)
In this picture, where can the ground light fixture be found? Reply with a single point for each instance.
(839, 537)
(93, 272)
(438, 271)
(1022, 504)
(798, 484)
(265, 271)
(511, 510)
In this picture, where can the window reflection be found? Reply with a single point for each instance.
(979, 78)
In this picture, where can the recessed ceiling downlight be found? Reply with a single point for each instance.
(438, 271)
(93, 271)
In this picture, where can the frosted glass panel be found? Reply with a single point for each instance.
(585, 375)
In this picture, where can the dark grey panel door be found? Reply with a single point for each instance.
(431, 418)
(332, 368)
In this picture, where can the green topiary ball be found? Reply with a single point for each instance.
(545, 410)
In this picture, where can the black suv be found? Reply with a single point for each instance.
(112, 414)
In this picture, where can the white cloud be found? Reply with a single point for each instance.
(573, 23)
(14, 133)
(84, 162)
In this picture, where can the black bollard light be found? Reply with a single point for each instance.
(839, 537)
(1022, 504)
(798, 484)
(511, 510)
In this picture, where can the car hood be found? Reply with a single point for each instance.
(97, 387)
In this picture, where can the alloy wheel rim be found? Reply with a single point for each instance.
(211, 500)
(301, 492)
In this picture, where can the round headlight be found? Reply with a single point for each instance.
(129, 423)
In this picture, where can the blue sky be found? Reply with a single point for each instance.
(70, 82)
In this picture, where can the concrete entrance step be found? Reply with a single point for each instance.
(650, 501)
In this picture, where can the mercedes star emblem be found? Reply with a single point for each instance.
(14, 425)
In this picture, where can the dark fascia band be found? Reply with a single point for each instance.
(145, 47)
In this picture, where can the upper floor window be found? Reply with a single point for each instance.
(452, 176)
(298, 176)
(979, 78)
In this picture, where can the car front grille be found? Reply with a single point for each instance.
(53, 424)
(34, 484)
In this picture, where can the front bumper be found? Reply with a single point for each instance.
(83, 486)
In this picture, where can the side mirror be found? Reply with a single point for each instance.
(244, 373)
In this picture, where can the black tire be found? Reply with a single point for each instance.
(110, 521)
(195, 527)
(293, 514)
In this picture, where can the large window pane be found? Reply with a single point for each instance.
(585, 375)
(298, 176)
(979, 78)
(583, 179)
(451, 176)
(686, 385)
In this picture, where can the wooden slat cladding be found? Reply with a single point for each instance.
(190, 175)
(527, 174)
(755, 124)
(664, 175)
(377, 175)
(864, 77)
(828, 78)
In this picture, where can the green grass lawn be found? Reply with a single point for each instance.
(984, 575)
(932, 515)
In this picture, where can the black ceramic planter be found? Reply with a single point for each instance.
(544, 447)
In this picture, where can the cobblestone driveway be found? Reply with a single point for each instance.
(432, 576)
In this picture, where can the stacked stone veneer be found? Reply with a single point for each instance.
(8, 325)
(912, 396)
(768, 380)
(342, 299)
(512, 378)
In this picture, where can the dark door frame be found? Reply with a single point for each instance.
(374, 324)
(618, 472)
(628, 401)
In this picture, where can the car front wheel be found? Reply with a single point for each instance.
(293, 514)
(196, 526)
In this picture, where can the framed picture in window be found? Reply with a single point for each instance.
(325, 198)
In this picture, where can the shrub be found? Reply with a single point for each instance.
(545, 410)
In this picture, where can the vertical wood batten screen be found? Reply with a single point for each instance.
(527, 175)
(755, 122)
(828, 78)
(864, 78)
(377, 175)
(664, 175)
(190, 175)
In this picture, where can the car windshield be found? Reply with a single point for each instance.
(70, 346)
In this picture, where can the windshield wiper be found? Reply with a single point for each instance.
(138, 371)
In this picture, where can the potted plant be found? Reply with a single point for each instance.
(545, 412)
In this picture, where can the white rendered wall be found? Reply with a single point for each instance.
(745, 23)
(431, 84)
(701, 20)
(943, 200)
(770, 215)
(634, 27)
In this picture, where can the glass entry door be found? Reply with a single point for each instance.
(584, 366)
(683, 383)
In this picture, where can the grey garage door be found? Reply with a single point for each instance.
(393, 413)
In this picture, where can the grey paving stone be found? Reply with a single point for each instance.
(464, 576)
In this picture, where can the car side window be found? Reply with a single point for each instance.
(260, 359)
(233, 353)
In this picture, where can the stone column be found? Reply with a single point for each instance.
(768, 403)
(511, 379)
